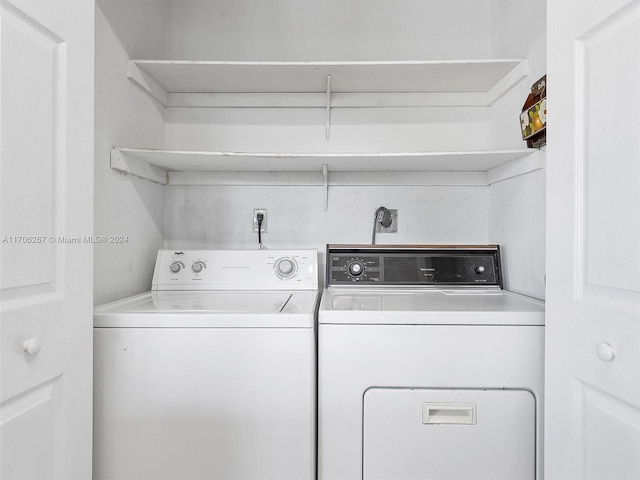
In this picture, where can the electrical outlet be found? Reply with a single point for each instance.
(263, 211)
(393, 228)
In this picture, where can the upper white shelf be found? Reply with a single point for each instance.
(327, 84)
(161, 165)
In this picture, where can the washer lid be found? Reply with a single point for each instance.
(210, 309)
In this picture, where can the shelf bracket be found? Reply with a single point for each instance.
(509, 81)
(325, 178)
(127, 164)
(147, 83)
(328, 124)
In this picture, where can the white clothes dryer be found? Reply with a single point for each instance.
(427, 368)
(211, 374)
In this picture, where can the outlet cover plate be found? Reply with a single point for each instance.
(256, 211)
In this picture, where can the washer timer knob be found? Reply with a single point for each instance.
(198, 266)
(175, 267)
(356, 268)
(286, 267)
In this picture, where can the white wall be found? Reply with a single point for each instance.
(517, 206)
(221, 217)
(516, 221)
(293, 30)
(329, 30)
(125, 116)
(518, 31)
(303, 129)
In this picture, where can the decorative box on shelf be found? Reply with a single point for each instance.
(533, 119)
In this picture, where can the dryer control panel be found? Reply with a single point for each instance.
(414, 265)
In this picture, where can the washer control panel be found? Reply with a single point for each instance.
(413, 265)
(236, 270)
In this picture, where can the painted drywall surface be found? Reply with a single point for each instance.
(516, 221)
(517, 206)
(424, 30)
(125, 206)
(291, 30)
(516, 26)
(518, 31)
(303, 130)
(221, 216)
(232, 30)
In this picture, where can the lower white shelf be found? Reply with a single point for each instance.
(171, 167)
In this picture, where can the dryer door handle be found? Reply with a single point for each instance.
(448, 413)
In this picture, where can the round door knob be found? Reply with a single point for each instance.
(197, 266)
(175, 267)
(606, 352)
(32, 346)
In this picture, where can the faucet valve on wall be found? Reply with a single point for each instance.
(385, 221)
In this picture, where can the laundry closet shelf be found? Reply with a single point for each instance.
(327, 84)
(190, 167)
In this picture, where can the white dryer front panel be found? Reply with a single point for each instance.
(353, 359)
(450, 434)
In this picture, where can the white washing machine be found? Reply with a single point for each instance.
(212, 374)
(427, 368)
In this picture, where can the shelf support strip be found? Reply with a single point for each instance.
(328, 126)
(325, 179)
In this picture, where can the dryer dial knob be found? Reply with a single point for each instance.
(356, 268)
(286, 267)
(480, 269)
(175, 267)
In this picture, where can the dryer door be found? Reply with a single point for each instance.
(449, 434)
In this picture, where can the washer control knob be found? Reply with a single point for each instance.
(356, 268)
(480, 269)
(286, 267)
(198, 266)
(175, 267)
